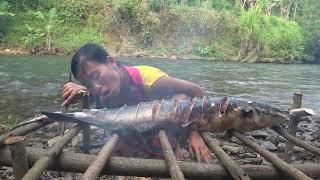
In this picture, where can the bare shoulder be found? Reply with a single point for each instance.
(169, 86)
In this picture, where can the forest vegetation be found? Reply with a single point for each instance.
(235, 30)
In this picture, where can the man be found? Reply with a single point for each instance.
(112, 85)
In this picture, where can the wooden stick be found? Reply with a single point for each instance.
(292, 127)
(301, 112)
(98, 164)
(45, 161)
(170, 157)
(23, 130)
(297, 141)
(86, 127)
(233, 168)
(17, 147)
(63, 123)
(276, 161)
(79, 162)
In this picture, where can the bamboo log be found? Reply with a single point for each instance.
(17, 148)
(76, 162)
(233, 168)
(170, 157)
(86, 127)
(45, 161)
(98, 164)
(292, 127)
(279, 163)
(297, 141)
(23, 130)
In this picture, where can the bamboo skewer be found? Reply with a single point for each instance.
(292, 127)
(297, 141)
(233, 168)
(276, 161)
(98, 164)
(170, 157)
(45, 161)
(85, 103)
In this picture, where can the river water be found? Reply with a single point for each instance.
(30, 84)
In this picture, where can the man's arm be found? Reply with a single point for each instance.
(181, 89)
(168, 86)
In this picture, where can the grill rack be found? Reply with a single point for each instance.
(13, 152)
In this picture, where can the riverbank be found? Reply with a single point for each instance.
(153, 55)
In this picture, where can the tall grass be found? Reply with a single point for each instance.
(269, 36)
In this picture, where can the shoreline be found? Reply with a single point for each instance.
(144, 54)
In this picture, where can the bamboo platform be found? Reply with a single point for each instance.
(29, 163)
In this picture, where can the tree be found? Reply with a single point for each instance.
(51, 19)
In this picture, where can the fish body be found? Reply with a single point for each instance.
(209, 114)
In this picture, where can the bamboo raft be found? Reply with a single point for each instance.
(14, 153)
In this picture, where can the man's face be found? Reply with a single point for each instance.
(102, 80)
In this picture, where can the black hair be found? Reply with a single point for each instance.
(88, 52)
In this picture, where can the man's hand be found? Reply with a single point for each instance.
(72, 92)
(198, 147)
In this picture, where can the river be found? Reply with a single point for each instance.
(30, 84)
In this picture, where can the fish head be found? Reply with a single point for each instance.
(245, 115)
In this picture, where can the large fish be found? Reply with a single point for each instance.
(209, 114)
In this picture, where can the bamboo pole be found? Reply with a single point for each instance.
(233, 168)
(292, 127)
(170, 157)
(86, 127)
(98, 164)
(17, 148)
(78, 162)
(23, 130)
(45, 161)
(63, 123)
(276, 161)
(297, 141)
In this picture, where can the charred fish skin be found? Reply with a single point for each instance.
(245, 115)
(219, 114)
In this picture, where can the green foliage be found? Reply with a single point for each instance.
(75, 11)
(284, 38)
(49, 18)
(69, 39)
(16, 28)
(204, 50)
(222, 4)
(97, 21)
(19, 6)
(253, 31)
(78, 11)
(308, 18)
(269, 35)
(159, 5)
(4, 16)
(4, 9)
(33, 37)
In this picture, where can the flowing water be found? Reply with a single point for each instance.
(30, 84)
